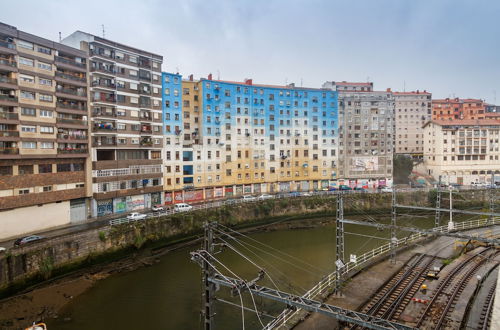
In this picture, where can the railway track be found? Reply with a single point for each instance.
(485, 318)
(392, 299)
(457, 288)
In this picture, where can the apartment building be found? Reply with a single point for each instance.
(462, 151)
(126, 122)
(227, 138)
(366, 125)
(412, 111)
(44, 153)
(456, 108)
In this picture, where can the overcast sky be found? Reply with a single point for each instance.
(450, 47)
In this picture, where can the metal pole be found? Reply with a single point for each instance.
(437, 219)
(393, 228)
(492, 196)
(208, 272)
(450, 224)
(339, 237)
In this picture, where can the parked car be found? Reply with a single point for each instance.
(249, 198)
(2, 249)
(360, 189)
(305, 194)
(182, 207)
(136, 216)
(158, 208)
(386, 190)
(292, 194)
(265, 196)
(27, 239)
(344, 187)
(333, 189)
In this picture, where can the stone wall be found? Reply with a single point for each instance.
(22, 266)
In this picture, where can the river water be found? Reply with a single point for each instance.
(167, 295)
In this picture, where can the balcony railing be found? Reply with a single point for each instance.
(104, 126)
(73, 151)
(103, 114)
(9, 45)
(9, 133)
(9, 151)
(71, 91)
(104, 69)
(8, 98)
(71, 137)
(4, 61)
(103, 83)
(72, 121)
(104, 142)
(9, 115)
(71, 106)
(104, 99)
(69, 61)
(8, 80)
(70, 77)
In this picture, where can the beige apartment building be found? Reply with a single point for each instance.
(44, 153)
(412, 111)
(126, 122)
(462, 151)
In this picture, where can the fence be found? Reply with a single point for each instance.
(326, 283)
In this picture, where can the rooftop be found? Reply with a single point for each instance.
(465, 122)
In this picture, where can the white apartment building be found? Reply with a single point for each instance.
(462, 151)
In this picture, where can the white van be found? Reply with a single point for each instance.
(182, 207)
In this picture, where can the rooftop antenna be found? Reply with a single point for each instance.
(368, 79)
(177, 69)
(301, 81)
(286, 81)
(218, 74)
(494, 97)
(59, 36)
(404, 85)
(103, 32)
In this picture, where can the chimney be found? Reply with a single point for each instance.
(425, 91)
(191, 77)
(389, 90)
(248, 81)
(418, 92)
(209, 76)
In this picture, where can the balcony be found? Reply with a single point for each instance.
(78, 122)
(70, 62)
(70, 77)
(104, 142)
(101, 68)
(7, 80)
(9, 116)
(71, 151)
(70, 136)
(8, 45)
(8, 98)
(148, 142)
(71, 91)
(67, 105)
(8, 62)
(101, 126)
(103, 83)
(9, 134)
(104, 98)
(9, 151)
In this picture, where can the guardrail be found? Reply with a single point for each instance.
(326, 283)
(239, 200)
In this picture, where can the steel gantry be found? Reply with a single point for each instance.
(296, 301)
(208, 272)
(339, 239)
(394, 239)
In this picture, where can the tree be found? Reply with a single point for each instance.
(402, 167)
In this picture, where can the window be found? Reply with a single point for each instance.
(24, 191)
(25, 44)
(46, 82)
(73, 167)
(26, 61)
(27, 78)
(45, 97)
(47, 188)
(132, 59)
(45, 66)
(44, 50)
(25, 169)
(47, 145)
(28, 129)
(46, 113)
(46, 130)
(28, 95)
(5, 170)
(28, 145)
(45, 168)
(28, 112)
